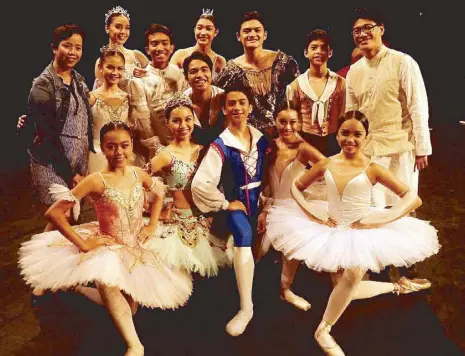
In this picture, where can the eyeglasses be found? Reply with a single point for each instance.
(365, 29)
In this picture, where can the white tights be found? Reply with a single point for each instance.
(351, 287)
(120, 311)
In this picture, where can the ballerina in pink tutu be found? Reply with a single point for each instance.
(108, 252)
(346, 237)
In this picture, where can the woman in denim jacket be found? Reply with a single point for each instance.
(59, 111)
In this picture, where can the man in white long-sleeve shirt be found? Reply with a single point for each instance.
(387, 86)
(149, 93)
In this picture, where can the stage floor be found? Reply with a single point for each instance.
(431, 323)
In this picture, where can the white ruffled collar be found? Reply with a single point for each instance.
(232, 141)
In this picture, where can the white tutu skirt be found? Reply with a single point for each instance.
(50, 261)
(186, 243)
(400, 243)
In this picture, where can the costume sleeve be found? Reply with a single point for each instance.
(417, 104)
(227, 77)
(60, 192)
(351, 102)
(343, 96)
(292, 96)
(289, 74)
(292, 70)
(207, 197)
(138, 103)
(182, 83)
(157, 188)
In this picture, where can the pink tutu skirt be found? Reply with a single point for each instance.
(50, 261)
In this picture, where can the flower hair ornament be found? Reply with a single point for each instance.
(207, 12)
(116, 10)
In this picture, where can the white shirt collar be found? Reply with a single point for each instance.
(232, 141)
(318, 108)
(376, 59)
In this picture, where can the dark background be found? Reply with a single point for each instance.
(431, 33)
(404, 326)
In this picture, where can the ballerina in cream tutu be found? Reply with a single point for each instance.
(185, 240)
(346, 237)
(107, 103)
(108, 253)
(289, 157)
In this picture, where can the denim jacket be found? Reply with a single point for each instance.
(48, 106)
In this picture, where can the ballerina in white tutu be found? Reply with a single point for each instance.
(108, 253)
(290, 155)
(347, 238)
(185, 240)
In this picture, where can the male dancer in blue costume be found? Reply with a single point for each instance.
(235, 159)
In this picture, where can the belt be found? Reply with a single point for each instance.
(251, 185)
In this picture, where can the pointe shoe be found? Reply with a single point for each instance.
(137, 350)
(330, 348)
(37, 301)
(39, 297)
(406, 286)
(299, 302)
(238, 324)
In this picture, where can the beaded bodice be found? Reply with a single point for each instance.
(179, 174)
(103, 113)
(119, 212)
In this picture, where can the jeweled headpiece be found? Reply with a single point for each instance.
(105, 48)
(116, 10)
(175, 101)
(119, 122)
(207, 12)
(110, 47)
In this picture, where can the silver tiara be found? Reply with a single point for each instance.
(178, 99)
(175, 101)
(207, 12)
(119, 122)
(105, 48)
(116, 10)
(110, 47)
